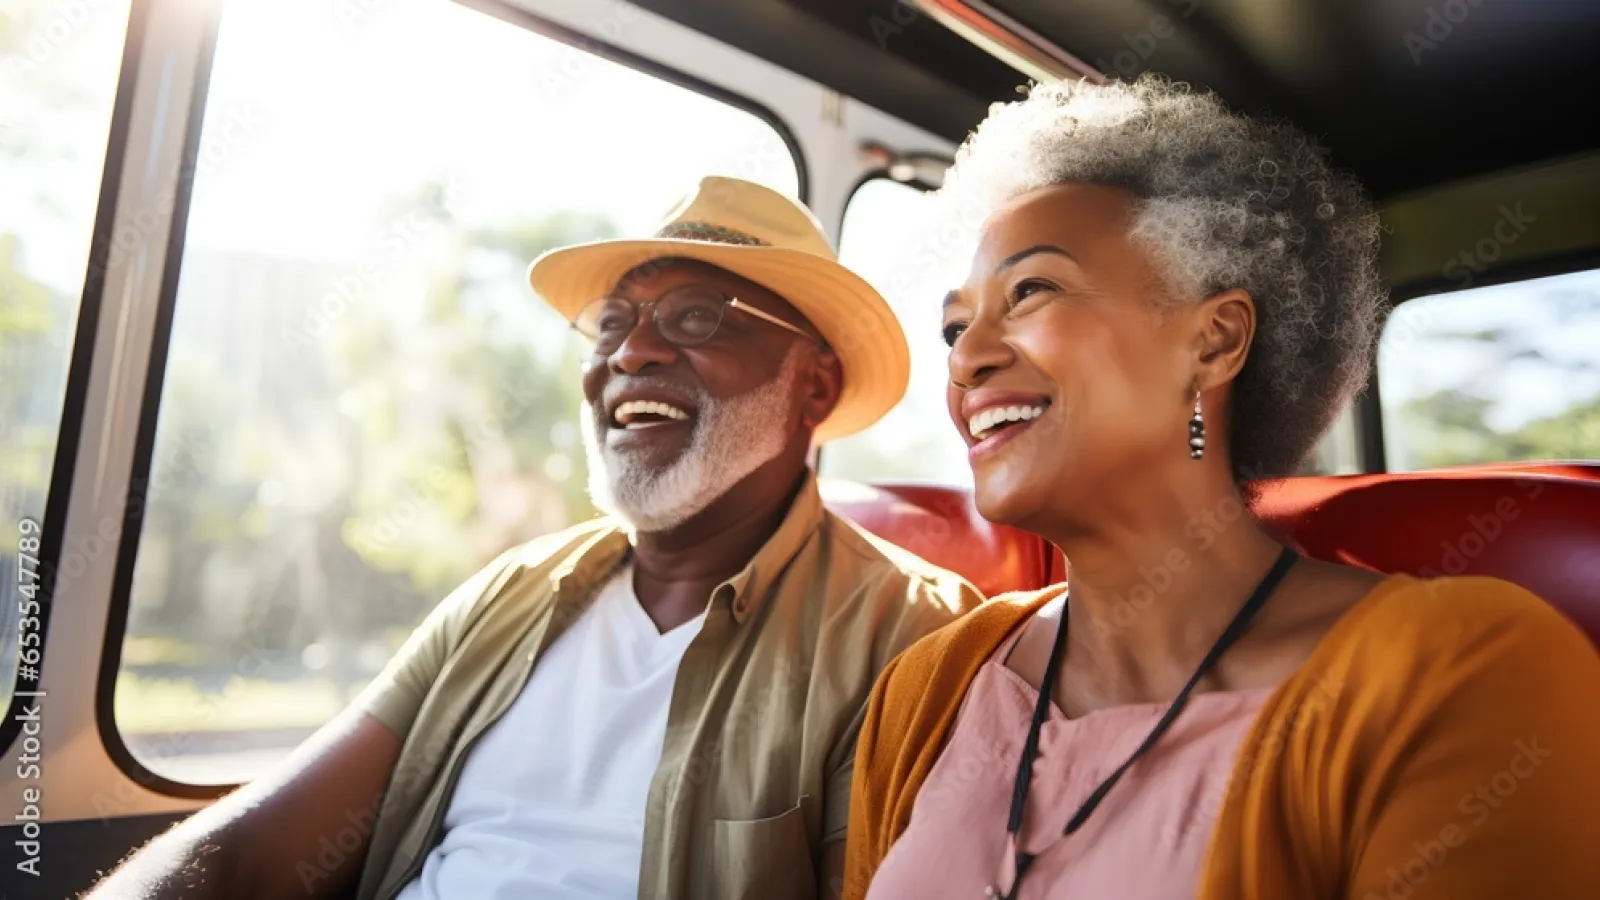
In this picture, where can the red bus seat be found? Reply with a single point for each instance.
(1535, 525)
(942, 526)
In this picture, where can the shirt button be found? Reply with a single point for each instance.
(740, 605)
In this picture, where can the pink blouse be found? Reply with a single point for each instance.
(1145, 841)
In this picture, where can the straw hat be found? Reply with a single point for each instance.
(761, 235)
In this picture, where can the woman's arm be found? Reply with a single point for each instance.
(1497, 792)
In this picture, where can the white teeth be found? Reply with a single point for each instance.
(632, 409)
(981, 423)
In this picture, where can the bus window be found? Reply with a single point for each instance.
(362, 402)
(886, 240)
(58, 81)
(891, 238)
(1493, 374)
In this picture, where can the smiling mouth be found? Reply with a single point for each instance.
(998, 419)
(638, 415)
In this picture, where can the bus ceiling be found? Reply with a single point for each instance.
(1444, 134)
(1444, 85)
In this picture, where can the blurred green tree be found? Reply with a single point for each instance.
(1452, 425)
(469, 412)
(1448, 428)
(30, 364)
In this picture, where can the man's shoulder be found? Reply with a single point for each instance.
(865, 600)
(523, 567)
(883, 570)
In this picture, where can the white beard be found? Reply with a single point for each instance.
(731, 439)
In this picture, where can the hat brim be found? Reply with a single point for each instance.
(850, 314)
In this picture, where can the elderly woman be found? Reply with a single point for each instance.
(1168, 299)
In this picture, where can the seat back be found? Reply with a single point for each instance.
(943, 527)
(1535, 525)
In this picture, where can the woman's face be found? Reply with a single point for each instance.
(1059, 323)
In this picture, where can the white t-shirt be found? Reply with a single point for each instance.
(551, 801)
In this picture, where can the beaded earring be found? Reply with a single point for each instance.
(1197, 430)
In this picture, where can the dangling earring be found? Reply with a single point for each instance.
(1197, 430)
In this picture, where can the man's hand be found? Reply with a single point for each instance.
(266, 839)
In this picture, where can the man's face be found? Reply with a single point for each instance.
(669, 429)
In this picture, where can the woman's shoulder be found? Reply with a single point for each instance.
(1453, 629)
(1443, 611)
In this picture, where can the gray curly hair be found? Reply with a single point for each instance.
(1222, 201)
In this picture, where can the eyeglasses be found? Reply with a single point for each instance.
(684, 316)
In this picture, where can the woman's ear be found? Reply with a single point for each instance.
(1225, 326)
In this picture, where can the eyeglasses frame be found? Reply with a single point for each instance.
(728, 302)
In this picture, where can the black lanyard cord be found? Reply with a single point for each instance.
(1041, 712)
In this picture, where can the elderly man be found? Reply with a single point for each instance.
(661, 703)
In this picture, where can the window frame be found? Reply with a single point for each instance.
(80, 360)
(881, 173)
(145, 430)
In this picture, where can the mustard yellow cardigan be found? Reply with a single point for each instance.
(1442, 741)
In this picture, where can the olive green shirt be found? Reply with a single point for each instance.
(755, 770)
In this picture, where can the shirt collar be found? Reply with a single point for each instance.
(594, 560)
(744, 592)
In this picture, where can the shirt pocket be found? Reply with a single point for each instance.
(763, 859)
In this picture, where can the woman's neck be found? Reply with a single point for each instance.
(1151, 592)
